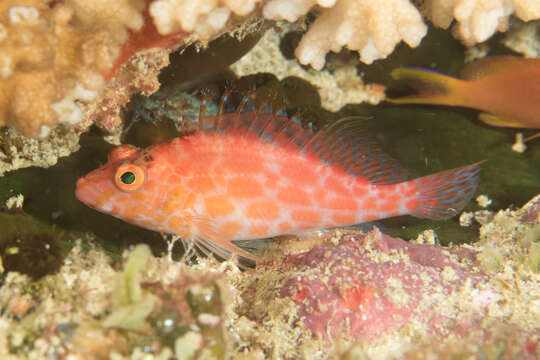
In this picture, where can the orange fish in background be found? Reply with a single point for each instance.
(253, 174)
(506, 88)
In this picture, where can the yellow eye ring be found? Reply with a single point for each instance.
(129, 177)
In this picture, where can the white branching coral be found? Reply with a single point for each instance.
(477, 20)
(343, 86)
(203, 18)
(292, 10)
(373, 28)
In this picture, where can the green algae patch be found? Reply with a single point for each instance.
(531, 241)
(204, 299)
(30, 247)
(491, 260)
(206, 306)
(186, 346)
(131, 306)
(534, 257)
(531, 244)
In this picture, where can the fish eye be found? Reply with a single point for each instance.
(129, 177)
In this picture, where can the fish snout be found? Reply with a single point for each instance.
(84, 191)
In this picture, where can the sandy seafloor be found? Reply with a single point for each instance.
(75, 284)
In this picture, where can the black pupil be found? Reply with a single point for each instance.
(127, 178)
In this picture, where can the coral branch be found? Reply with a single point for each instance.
(477, 20)
(372, 28)
(204, 18)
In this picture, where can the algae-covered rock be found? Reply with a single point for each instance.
(130, 304)
(534, 252)
(491, 259)
(186, 346)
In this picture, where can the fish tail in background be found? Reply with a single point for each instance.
(432, 87)
(445, 194)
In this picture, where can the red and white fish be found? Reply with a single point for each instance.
(253, 174)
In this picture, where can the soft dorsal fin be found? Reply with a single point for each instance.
(343, 143)
(495, 65)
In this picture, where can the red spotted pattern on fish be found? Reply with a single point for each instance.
(253, 173)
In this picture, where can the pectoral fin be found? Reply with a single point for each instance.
(494, 120)
(215, 242)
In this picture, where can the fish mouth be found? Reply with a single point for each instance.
(86, 192)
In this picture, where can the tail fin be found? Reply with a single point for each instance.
(445, 194)
(432, 87)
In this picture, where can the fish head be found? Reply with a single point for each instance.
(124, 187)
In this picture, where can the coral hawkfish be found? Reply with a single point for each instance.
(505, 88)
(255, 173)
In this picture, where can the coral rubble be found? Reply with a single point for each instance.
(393, 299)
(181, 306)
(346, 294)
(17, 151)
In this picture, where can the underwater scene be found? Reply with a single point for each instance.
(269, 179)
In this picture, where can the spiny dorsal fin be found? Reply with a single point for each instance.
(343, 143)
(496, 65)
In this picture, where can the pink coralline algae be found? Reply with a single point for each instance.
(375, 284)
(146, 38)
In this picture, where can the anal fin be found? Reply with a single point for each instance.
(495, 120)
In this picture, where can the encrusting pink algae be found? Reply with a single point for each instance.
(369, 285)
